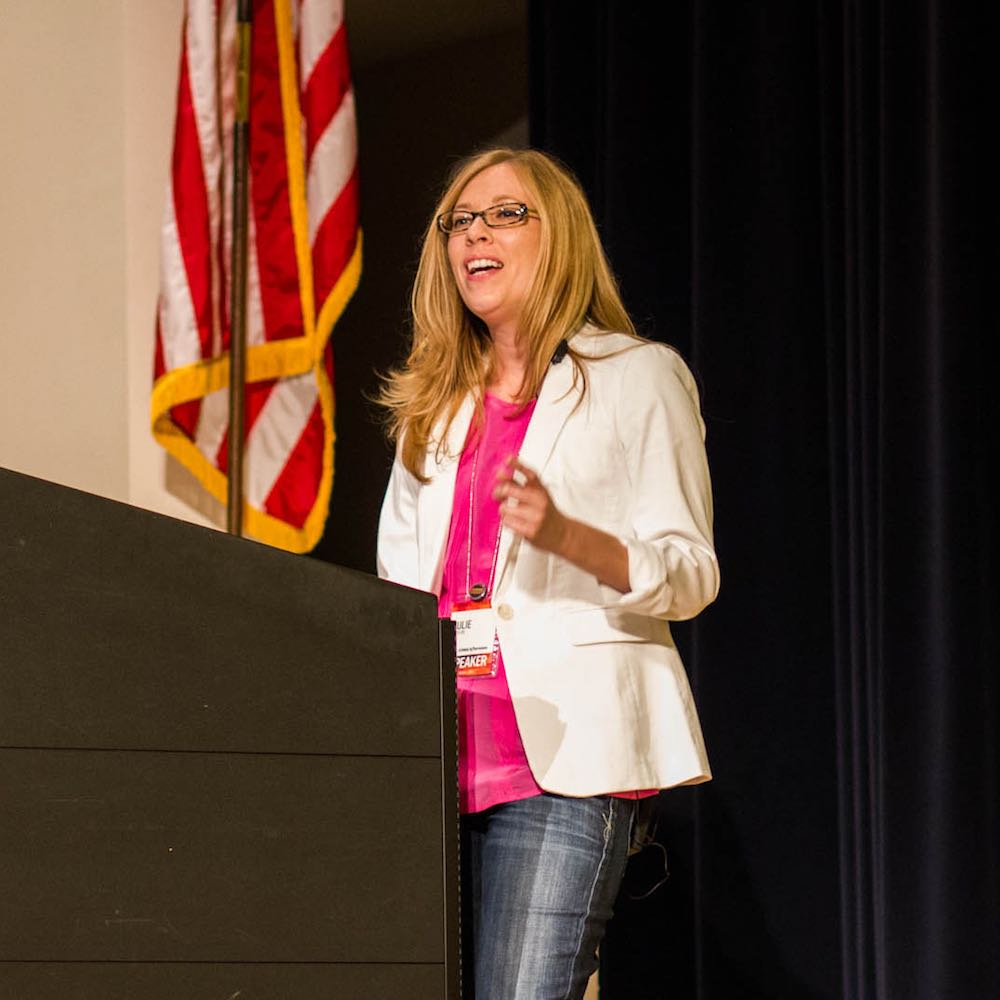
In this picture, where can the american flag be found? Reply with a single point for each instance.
(304, 258)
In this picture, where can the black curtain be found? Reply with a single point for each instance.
(799, 196)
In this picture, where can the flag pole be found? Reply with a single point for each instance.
(238, 290)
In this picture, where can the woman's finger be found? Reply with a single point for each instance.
(509, 488)
(527, 497)
(530, 476)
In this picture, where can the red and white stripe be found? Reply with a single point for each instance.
(286, 436)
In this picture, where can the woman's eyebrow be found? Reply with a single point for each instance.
(497, 200)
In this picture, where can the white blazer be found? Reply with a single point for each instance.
(601, 697)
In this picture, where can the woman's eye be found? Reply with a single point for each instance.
(461, 220)
(507, 212)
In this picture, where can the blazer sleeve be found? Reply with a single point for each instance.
(673, 570)
(397, 554)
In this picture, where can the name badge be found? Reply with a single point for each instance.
(476, 646)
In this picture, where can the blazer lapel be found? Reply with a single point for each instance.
(556, 400)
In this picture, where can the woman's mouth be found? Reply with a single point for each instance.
(481, 265)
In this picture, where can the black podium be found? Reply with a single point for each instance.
(226, 773)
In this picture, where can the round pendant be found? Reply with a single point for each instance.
(477, 591)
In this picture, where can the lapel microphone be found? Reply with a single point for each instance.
(562, 349)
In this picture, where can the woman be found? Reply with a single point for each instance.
(550, 485)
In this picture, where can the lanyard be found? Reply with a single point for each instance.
(478, 591)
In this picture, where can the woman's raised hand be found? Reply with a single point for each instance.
(526, 507)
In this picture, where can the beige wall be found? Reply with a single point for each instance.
(62, 253)
(85, 133)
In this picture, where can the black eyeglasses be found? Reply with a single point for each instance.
(507, 213)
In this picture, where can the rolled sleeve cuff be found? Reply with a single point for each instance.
(674, 582)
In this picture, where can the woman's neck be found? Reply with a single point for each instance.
(510, 362)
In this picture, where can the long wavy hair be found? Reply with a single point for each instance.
(451, 354)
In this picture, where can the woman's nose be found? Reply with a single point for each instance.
(477, 231)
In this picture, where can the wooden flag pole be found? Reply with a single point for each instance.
(238, 291)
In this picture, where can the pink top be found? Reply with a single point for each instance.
(492, 766)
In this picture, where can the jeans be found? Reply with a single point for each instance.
(539, 879)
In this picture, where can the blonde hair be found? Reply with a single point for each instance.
(451, 351)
